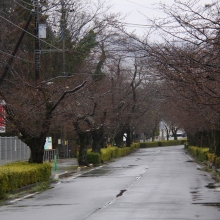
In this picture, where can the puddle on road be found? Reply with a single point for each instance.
(212, 186)
(67, 181)
(104, 171)
(97, 172)
(194, 192)
(196, 196)
(121, 192)
(30, 197)
(24, 206)
(217, 204)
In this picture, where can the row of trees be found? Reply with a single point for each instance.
(91, 79)
(97, 81)
(187, 60)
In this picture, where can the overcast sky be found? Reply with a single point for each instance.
(136, 9)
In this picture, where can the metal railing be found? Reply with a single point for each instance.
(49, 154)
(13, 149)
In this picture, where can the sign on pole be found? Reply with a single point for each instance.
(48, 143)
(2, 118)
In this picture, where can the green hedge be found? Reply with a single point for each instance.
(162, 143)
(93, 158)
(199, 153)
(19, 174)
(202, 154)
(217, 162)
(110, 153)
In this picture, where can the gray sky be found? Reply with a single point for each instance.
(136, 9)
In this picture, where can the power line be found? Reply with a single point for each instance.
(16, 57)
(26, 2)
(22, 5)
(30, 33)
(145, 25)
(46, 9)
(137, 4)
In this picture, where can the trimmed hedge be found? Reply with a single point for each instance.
(202, 154)
(199, 153)
(217, 162)
(162, 143)
(148, 144)
(110, 153)
(211, 157)
(93, 158)
(19, 174)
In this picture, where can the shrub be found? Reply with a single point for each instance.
(93, 158)
(186, 145)
(193, 150)
(162, 143)
(106, 153)
(19, 174)
(149, 144)
(110, 153)
(183, 142)
(217, 162)
(211, 157)
(170, 143)
(202, 153)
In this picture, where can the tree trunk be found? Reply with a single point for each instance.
(98, 140)
(175, 136)
(37, 155)
(36, 146)
(174, 132)
(217, 143)
(119, 139)
(154, 133)
(128, 139)
(83, 139)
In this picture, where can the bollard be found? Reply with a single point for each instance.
(55, 162)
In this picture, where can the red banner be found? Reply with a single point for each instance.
(2, 119)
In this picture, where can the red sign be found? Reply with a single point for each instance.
(2, 119)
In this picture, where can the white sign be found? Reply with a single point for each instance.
(48, 143)
(42, 30)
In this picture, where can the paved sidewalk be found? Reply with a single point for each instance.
(64, 167)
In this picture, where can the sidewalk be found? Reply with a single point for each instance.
(64, 168)
(67, 167)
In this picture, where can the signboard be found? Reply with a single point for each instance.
(48, 143)
(42, 30)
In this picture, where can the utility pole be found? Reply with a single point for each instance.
(37, 41)
(10, 61)
(63, 23)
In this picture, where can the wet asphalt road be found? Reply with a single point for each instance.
(151, 184)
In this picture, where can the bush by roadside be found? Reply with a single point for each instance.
(18, 174)
(162, 143)
(110, 153)
(202, 154)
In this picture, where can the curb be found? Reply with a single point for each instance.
(62, 175)
(71, 173)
